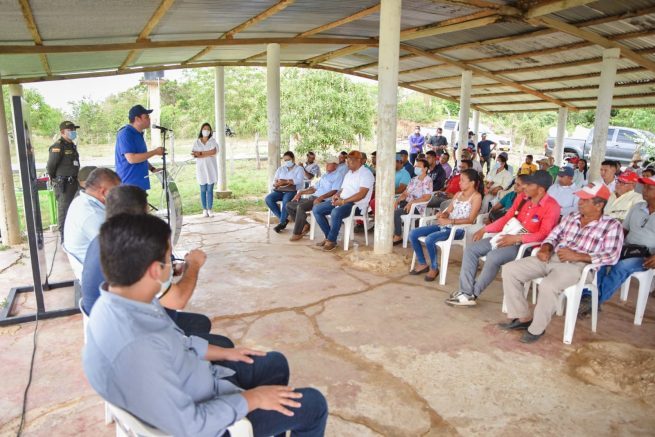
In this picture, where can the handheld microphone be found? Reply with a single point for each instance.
(165, 129)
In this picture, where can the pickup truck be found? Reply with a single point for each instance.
(622, 142)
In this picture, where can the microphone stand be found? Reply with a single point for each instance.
(164, 182)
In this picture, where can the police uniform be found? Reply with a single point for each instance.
(63, 167)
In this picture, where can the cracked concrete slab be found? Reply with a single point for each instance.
(390, 356)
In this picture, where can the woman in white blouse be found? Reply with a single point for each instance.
(497, 183)
(204, 150)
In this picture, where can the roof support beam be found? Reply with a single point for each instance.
(34, 30)
(159, 13)
(279, 6)
(550, 7)
(596, 39)
(348, 50)
(354, 17)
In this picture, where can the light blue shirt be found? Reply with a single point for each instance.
(402, 177)
(329, 182)
(137, 359)
(342, 168)
(85, 216)
(566, 197)
(295, 173)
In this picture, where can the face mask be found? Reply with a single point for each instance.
(72, 135)
(167, 283)
(288, 164)
(205, 133)
(418, 171)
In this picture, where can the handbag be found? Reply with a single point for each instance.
(634, 251)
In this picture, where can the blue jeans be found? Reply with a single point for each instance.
(338, 213)
(207, 196)
(432, 234)
(273, 369)
(276, 196)
(610, 278)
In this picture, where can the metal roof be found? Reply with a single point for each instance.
(525, 55)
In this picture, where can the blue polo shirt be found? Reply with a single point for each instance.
(130, 140)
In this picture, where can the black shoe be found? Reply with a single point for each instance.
(584, 310)
(515, 324)
(530, 338)
(280, 227)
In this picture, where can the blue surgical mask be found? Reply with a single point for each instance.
(72, 135)
(288, 164)
(418, 171)
(165, 285)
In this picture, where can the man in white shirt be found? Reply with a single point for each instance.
(356, 192)
(624, 196)
(312, 169)
(564, 191)
(608, 174)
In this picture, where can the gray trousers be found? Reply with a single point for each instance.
(557, 277)
(298, 212)
(495, 259)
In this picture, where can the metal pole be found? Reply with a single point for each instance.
(273, 103)
(464, 109)
(388, 52)
(558, 152)
(603, 108)
(219, 122)
(9, 225)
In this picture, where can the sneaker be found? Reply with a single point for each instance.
(280, 227)
(205, 213)
(209, 213)
(462, 299)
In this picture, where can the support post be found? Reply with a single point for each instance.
(476, 125)
(9, 225)
(273, 104)
(603, 108)
(219, 131)
(558, 152)
(464, 109)
(388, 52)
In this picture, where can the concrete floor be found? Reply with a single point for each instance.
(390, 356)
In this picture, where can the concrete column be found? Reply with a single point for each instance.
(219, 130)
(9, 225)
(603, 108)
(388, 52)
(476, 125)
(464, 109)
(273, 103)
(558, 152)
(155, 117)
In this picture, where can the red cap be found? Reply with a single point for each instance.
(628, 177)
(593, 190)
(648, 181)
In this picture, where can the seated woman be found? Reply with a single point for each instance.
(289, 178)
(418, 190)
(497, 183)
(462, 211)
(499, 209)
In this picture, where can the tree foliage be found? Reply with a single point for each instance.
(44, 118)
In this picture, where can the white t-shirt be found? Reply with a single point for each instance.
(353, 181)
(206, 166)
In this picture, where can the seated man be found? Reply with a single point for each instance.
(343, 165)
(325, 188)
(580, 239)
(506, 202)
(130, 199)
(137, 359)
(402, 175)
(443, 159)
(640, 227)
(535, 210)
(404, 156)
(564, 191)
(608, 171)
(528, 167)
(312, 169)
(82, 176)
(288, 180)
(436, 171)
(356, 191)
(624, 196)
(86, 214)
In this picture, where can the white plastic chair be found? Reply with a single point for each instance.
(645, 279)
(348, 226)
(128, 425)
(409, 220)
(268, 218)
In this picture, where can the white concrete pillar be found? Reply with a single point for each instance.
(273, 103)
(603, 108)
(154, 103)
(476, 125)
(219, 125)
(464, 109)
(9, 224)
(558, 152)
(388, 52)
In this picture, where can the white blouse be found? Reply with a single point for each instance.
(206, 166)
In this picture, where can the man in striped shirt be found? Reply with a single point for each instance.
(586, 237)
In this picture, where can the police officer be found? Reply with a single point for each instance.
(63, 167)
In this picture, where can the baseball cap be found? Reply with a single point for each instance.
(85, 171)
(565, 171)
(67, 125)
(648, 181)
(628, 177)
(541, 178)
(138, 110)
(399, 157)
(593, 190)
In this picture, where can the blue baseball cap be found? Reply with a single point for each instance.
(566, 171)
(138, 110)
(399, 157)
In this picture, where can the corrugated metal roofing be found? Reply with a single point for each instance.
(496, 42)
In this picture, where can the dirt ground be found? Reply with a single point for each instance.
(390, 356)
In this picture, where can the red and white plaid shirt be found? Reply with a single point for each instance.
(602, 239)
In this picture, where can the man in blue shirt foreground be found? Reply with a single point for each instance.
(137, 359)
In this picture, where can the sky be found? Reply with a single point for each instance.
(60, 93)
